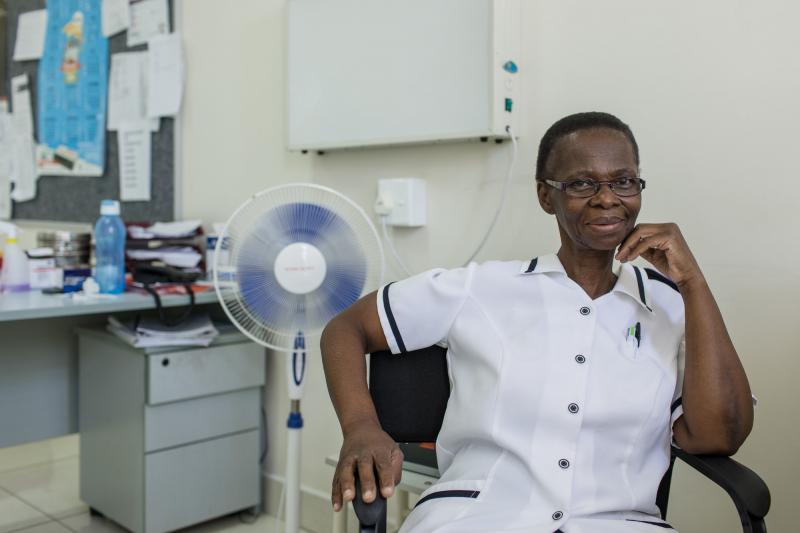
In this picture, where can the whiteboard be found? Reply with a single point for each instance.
(370, 72)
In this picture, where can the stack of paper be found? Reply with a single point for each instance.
(181, 228)
(197, 330)
(177, 256)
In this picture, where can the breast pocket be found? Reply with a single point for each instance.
(631, 347)
(631, 341)
(649, 349)
(626, 383)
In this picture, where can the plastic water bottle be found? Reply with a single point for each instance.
(109, 238)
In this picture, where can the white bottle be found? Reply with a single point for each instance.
(14, 276)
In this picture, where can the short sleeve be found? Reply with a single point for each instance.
(419, 311)
(677, 397)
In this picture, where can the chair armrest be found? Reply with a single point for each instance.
(371, 516)
(746, 488)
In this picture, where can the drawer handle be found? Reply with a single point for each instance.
(165, 361)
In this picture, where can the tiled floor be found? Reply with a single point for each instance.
(39, 494)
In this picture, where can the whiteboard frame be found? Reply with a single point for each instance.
(500, 42)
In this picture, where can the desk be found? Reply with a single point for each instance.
(39, 357)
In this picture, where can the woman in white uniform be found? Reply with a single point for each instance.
(569, 377)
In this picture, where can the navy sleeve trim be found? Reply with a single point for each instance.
(449, 494)
(652, 274)
(392, 322)
(532, 266)
(677, 403)
(657, 524)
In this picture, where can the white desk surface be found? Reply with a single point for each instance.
(35, 305)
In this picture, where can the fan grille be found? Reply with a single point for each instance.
(245, 275)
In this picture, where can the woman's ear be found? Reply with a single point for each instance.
(543, 192)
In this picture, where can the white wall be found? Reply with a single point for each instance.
(712, 90)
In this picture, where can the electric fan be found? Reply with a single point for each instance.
(288, 260)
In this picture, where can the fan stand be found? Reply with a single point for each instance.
(290, 234)
(296, 370)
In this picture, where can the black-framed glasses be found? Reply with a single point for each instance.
(586, 187)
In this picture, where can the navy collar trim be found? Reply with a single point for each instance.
(630, 279)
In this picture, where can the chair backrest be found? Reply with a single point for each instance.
(410, 393)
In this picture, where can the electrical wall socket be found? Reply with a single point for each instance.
(404, 200)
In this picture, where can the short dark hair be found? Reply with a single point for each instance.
(578, 122)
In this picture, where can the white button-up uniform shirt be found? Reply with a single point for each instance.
(559, 417)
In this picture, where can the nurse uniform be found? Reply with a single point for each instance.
(561, 408)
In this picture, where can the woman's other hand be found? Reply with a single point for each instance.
(664, 247)
(367, 450)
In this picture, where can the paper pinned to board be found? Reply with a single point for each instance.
(127, 90)
(133, 139)
(148, 18)
(6, 143)
(116, 17)
(165, 75)
(23, 154)
(31, 29)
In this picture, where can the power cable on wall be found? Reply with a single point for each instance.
(503, 200)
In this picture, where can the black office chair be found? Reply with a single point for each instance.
(421, 381)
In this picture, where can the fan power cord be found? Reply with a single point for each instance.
(390, 242)
(503, 199)
(280, 508)
(383, 207)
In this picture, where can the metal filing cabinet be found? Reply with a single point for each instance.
(169, 437)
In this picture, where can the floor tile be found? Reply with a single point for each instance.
(52, 488)
(86, 523)
(39, 452)
(49, 527)
(15, 514)
(264, 524)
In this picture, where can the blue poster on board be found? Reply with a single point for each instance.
(72, 91)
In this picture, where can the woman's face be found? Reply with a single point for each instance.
(602, 221)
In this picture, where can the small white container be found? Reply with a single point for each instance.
(43, 272)
(14, 276)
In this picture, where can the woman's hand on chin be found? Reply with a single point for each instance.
(663, 246)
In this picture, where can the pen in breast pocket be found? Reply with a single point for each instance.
(635, 333)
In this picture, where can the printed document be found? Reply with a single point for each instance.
(148, 18)
(72, 91)
(116, 17)
(127, 90)
(23, 155)
(134, 161)
(6, 147)
(197, 330)
(31, 28)
(165, 75)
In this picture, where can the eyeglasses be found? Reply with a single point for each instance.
(585, 187)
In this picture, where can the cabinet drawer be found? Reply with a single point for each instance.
(191, 484)
(188, 421)
(191, 373)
